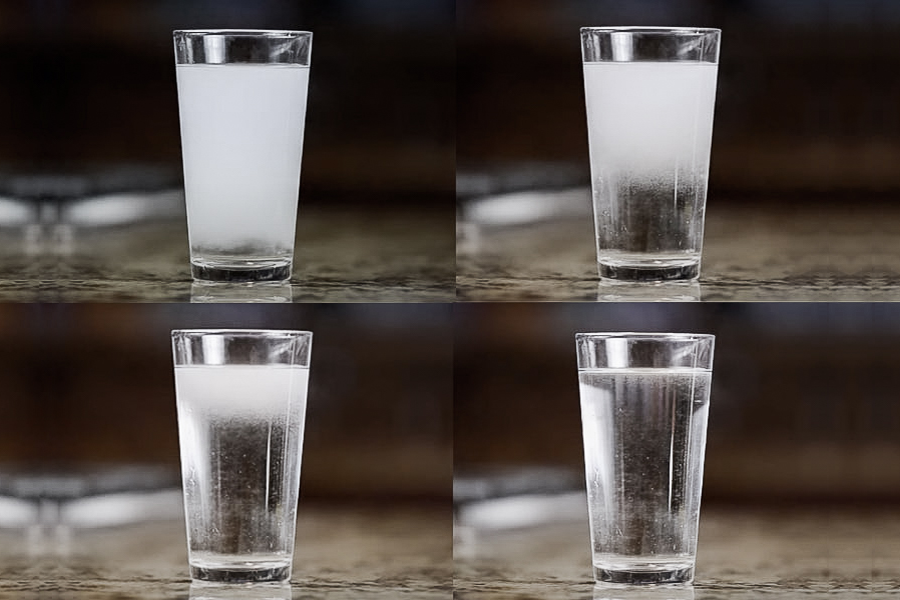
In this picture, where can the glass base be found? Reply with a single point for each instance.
(244, 273)
(650, 272)
(643, 576)
(241, 574)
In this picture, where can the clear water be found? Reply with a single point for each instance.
(650, 130)
(242, 131)
(645, 437)
(241, 434)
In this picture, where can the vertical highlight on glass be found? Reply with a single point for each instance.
(650, 95)
(242, 105)
(644, 409)
(241, 399)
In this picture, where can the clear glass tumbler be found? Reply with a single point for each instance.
(650, 94)
(242, 104)
(241, 397)
(644, 407)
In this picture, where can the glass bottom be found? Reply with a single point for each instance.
(650, 270)
(637, 574)
(243, 272)
(241, 574)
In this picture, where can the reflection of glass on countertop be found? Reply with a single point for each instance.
(644, 592)
(626, 291)
(216, 292)
(252, 591)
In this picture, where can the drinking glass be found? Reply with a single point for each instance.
(241, 397)
(242, 104)
(644, 407)
(650, 93)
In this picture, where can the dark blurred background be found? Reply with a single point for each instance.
(808, 101)
(89, 100)
(803, 405)
(90, 388)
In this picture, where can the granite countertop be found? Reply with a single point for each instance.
(342, 254)
(341, 552)
(754, 250)
(743, 554)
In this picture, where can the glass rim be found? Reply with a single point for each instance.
(243, 332)
(641, 335)
(652, 29)
(293, 33)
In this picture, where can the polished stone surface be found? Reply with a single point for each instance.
(754, 250)
(342, 254)
(341, 553)
(806, 552)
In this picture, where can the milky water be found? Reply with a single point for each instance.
(645, 437)
(241, 435)
(650, 130)
(242, 138)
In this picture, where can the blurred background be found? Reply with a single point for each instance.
(89, 401)
(803, 406)
(806, 101)
(89, 98)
